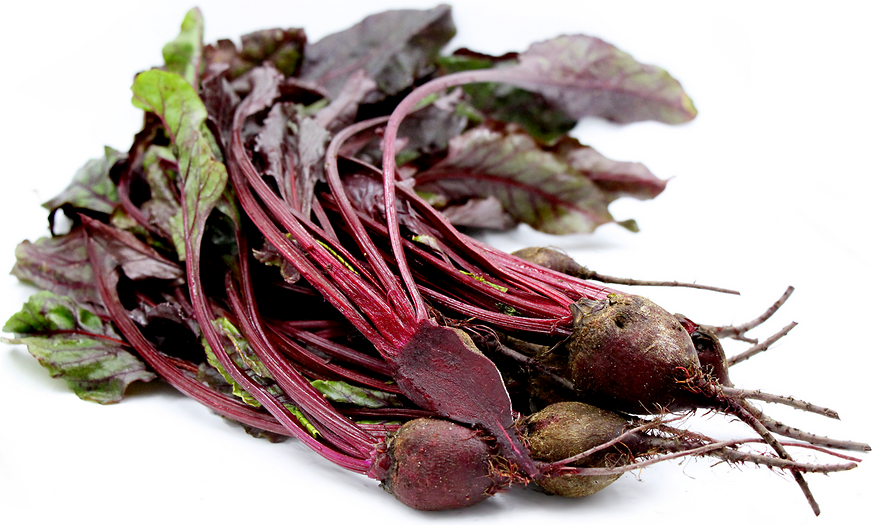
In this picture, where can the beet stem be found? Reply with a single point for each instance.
(289, 379)
(289, 330)
(231, 408)
(385, 276)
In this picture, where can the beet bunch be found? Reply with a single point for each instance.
(281, 244)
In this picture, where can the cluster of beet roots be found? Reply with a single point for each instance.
(506, 369)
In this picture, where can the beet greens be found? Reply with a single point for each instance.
(281, 243)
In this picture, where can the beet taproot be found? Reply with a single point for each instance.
(627, 353)
(563, 430)
(438, 465)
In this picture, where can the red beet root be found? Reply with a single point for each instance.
(629, 354)
(563, 430)
(438, 465)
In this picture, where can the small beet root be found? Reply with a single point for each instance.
(563, 430)
(438, 465)
(628, 354)
(552, 259)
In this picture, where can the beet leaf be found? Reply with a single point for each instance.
(395, 48)
(58, 264)
(137, 259)
(614, 178)
(342, 392)
(533, 185)
(202, 176)
(73, 343)
(587, 77)
(92, 188)
(184, 54)
(507, 103)
(282, 47)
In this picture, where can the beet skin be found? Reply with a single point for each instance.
(563, 430)
(628, 354)
(438, 465)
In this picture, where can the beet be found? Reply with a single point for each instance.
(563, 430)
(438, 465)
(552, 259)
(628, 354)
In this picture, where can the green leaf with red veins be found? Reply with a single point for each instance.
(342, 392)
(395, 48)
(164, 203)
(74, 344)
(533, 185)
(243, 349)
(91, 189)
(184, 54)
(586, 77)
(183, 114)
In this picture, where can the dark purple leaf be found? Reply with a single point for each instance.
(293, 145)
(270, 256)
(281, 47)
(274, 144)
(160, 167)
(367, 196)
(146, 315)
(617, 178)
(343, 108)
(533, 185)
(586, 77)
(485, 212)
(137, 259)
(223, 55)
(220, 100)
(293, 142)
(428, 130)
(58, 264)
(507, 103)
(395, 48)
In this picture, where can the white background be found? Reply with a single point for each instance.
(770, 188)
